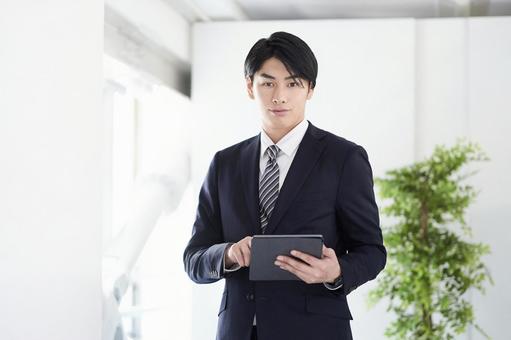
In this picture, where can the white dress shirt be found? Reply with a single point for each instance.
(288, 146)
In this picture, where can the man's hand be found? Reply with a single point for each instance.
(314, 270)
(239, 253)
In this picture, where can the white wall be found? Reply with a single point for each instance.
(441, 83)
(464, 79)
(489, 122)
(397, 87)
(51, 144)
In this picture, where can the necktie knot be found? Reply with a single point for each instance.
(273, 152)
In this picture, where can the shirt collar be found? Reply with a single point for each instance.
(290, 142)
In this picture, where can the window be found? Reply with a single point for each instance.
(150, 208)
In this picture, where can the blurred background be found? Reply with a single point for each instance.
(110, 112)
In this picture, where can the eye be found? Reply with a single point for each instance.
(268, 84)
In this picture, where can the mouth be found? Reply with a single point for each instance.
(279, 112)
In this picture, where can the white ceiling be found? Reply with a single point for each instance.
(220, 10)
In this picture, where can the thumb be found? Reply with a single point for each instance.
(328, 252)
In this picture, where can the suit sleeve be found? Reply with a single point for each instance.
(357, 214)
(204, 255)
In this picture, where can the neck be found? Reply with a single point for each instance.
(276, 134)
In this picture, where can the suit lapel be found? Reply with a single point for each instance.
(250, 181)
(307, 155)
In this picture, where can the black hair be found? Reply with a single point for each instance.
(292, 51)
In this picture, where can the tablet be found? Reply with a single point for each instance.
(266, 248)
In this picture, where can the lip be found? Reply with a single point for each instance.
(278, 112)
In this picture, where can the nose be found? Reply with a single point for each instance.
(279, 95)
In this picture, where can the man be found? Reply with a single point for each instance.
(292, 178)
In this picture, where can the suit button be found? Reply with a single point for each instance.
(250, 297)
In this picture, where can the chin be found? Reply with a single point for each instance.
(276, 120)
(282, 120)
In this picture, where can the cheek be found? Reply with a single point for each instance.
(303, 98)
(262, 97)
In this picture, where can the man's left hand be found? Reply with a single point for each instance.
(314, 270)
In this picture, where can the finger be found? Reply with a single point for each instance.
(246, 254)
(247, 240)
(303, 267)
(306, 277)
(238, 255)
(305, 257)
(311, 274)
(243, 255)
(231, 254)
(237, 258)
(328, 252)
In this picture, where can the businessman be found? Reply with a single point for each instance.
(292, 178)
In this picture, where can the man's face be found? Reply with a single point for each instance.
(280, 97)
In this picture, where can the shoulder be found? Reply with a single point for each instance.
(235, 151)
(336, 146)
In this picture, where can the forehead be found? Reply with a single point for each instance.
(273, 67)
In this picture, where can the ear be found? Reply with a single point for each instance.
(250, 87)
(310, 92)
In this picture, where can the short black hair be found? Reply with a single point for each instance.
(292, 51)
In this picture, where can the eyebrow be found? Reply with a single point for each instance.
(293, 76)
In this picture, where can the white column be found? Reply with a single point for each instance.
(51, 169)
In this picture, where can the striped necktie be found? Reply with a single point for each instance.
(269, 186)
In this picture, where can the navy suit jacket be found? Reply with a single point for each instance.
(328, 190)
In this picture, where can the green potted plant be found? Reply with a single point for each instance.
(431, 262)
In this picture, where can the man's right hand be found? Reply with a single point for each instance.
(239, 253)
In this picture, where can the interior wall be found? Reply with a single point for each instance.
(52, 167)
(489, 124)
(464, 72)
